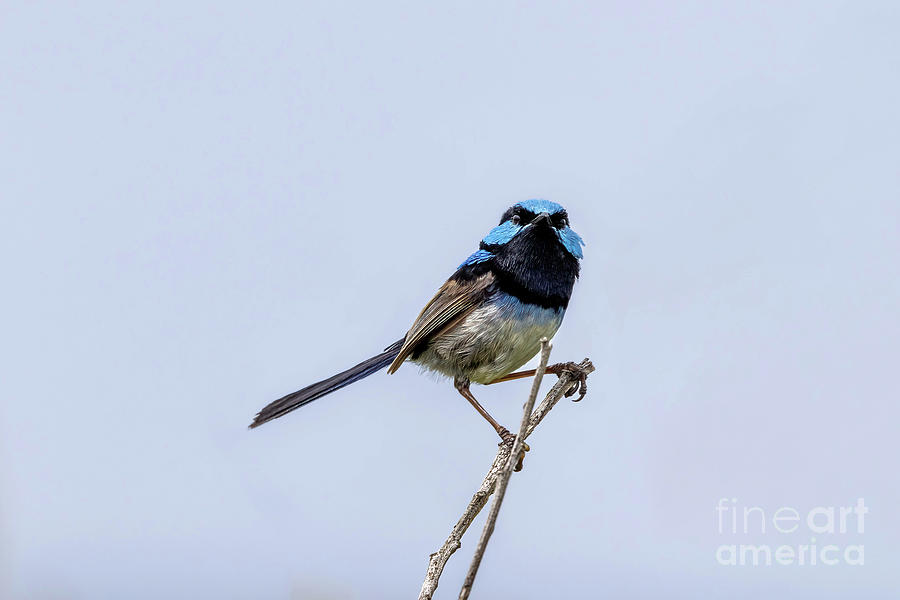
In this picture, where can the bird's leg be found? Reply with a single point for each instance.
(462, 386)
(516, 375)
(557, 369)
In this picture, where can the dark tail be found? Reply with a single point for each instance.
(283, 406)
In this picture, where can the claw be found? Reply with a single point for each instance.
(509, 440)
(580, 377)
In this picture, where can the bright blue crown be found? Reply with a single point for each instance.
(538, 206)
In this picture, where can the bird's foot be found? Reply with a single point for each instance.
(579, 374)
(509, 440)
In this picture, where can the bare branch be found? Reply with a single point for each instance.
(568, 381)
(506, 473)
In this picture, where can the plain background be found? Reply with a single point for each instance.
(207, 205)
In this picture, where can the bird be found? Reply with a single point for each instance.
(488, 318)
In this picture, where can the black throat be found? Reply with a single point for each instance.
(533, 266)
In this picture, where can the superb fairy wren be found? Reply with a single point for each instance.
(488, 319)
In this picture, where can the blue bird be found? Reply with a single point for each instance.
(487, 320)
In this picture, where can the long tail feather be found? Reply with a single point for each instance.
(282, 406)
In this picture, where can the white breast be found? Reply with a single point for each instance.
(492, 341)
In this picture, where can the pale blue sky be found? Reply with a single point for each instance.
(208, 205)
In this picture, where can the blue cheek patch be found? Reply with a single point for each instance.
(502, 233)
(571, 241)
(477, 257)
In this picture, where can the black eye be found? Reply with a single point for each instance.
(560, 221)
(515, 219)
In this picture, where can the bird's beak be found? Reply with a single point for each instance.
(543, 218)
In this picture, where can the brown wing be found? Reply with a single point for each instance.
(452, 303)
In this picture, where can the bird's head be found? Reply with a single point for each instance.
(537, 221)
(532, 253)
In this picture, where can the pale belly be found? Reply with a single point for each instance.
(492, 341)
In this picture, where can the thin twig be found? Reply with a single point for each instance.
(506, 473)
(567, 381)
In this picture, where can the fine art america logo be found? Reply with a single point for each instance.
(827, 535)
